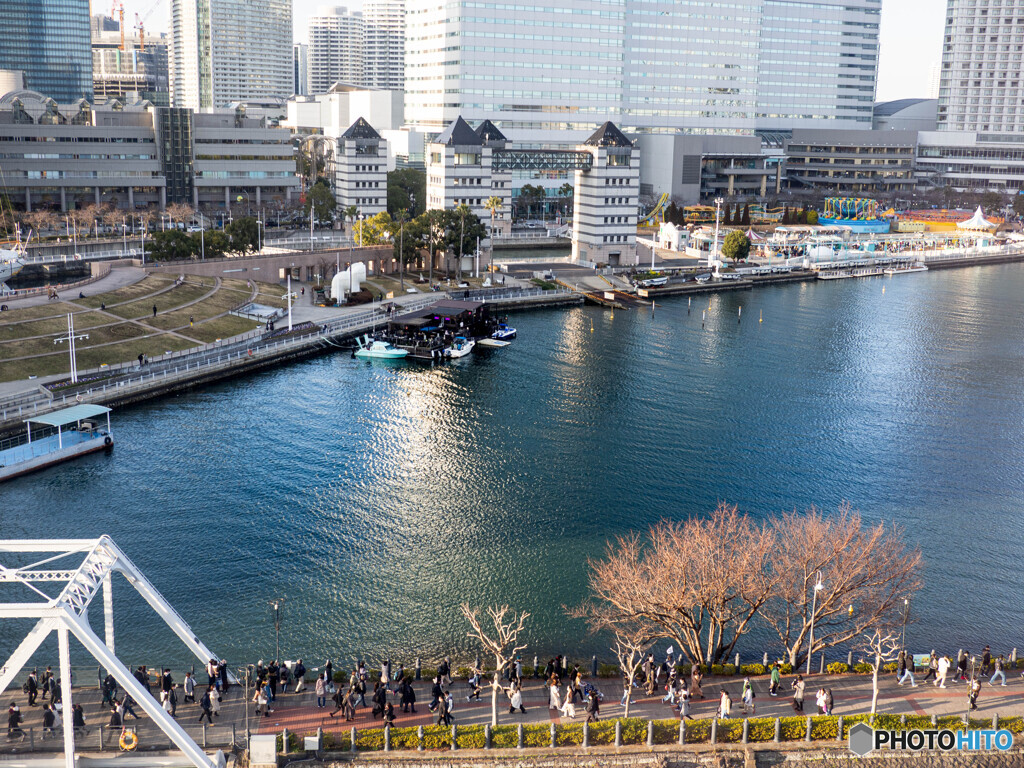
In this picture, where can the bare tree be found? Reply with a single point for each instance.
(866, 574)
(180, 212)
(880, 650)
(630, 646)
(502, 642)
(700, 582)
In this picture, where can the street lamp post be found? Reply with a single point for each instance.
(814, 600)
(714, 264)
(124, 236)
(906, 612)
(276, 605)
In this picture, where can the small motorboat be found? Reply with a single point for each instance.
(703, 278)
(492, 343)
(378, 350)
(460, 347)
(504, 332)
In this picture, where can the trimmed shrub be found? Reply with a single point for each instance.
(370, 740)
(608, 670)
(569, 735)
(862, 668)
(722, 669)
(537, 735)
(837, 668)
(787, 669)
(890, 667)
(753, 669)
(504, 736)
(1014, 725)
(404, 738)
(698, 731)
(824, 727)
(437, 737)
(470, 737)
(793, 728)
(851, 720)
(761, 729)
(666, 731)
(603, 732)
(634, 731)
(730, 731)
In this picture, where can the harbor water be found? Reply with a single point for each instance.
(375, 497)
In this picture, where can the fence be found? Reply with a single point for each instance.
(104, 738)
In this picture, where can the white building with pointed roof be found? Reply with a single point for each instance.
(361, 170)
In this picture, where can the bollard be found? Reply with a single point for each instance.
(903, 719)
(101, 737)
(737, 663)
(778, 730)
(387, 738)
(821, 667)
(765, 662)
(520, 737)
(1013, 656)
(746, 731)
(352, 745)
(554, 735)
(682, 732)
(319, 738)
(650, 733)
(935, 719)
(419, 738)
(839, 729)
(714, 730)
(536, 666)
(849, 660)
(284, 741)
(204, 735)
(995, 722)
(234, 736)
(618, 733)
(32, 740)
(455, 737)
(487, 735)
(807, 737)
(419, 667)
(593, 666)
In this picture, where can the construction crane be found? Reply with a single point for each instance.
(117, 9)
(140, 22)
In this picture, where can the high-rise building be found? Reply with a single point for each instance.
(659, 65)
(365, 49)
(50, 41)
(335, 48)
(981, 87)
(300, 69)
(140, 70)
(384, 44)
(226, 51)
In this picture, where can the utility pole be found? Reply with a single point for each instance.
(70, 339)
(714, 249)
(276, 605)
(289, 296)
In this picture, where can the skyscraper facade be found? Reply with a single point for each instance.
(300, 69)
(226, 51)
(365, 48)
(650, 65)
(50, 41)
(981, 87)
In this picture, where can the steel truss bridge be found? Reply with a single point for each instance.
(540, 160)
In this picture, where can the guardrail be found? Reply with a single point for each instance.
(104, 738)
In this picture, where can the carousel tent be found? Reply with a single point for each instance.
(977, 222)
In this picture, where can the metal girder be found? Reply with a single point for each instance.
(15, 574)
(24, 651)
(540, 160)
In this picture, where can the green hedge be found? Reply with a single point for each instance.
(837, 668)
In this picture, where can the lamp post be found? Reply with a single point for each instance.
(906, 612)
(124, 237)
(276, 605)
(817, 586)
(70, 339)
(714, 268)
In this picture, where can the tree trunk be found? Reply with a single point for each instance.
(874, 685)
(629, 694)
(494, 700)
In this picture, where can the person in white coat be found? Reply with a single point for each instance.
(553, 700)
(943, 667)
(568, 708)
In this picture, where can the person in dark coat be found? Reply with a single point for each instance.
(408, 696)
(389, 714)
(379, 698)
(77, 716)
(207, 706)
(32, 688)
(436, 693)
(49, 718)
(13, 720)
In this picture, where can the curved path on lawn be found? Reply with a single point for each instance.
(254, 291)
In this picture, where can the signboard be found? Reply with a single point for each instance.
(389, 295)
(641, 292)
(921, 660)
(609, 295)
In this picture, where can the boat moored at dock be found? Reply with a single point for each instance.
(58, 441)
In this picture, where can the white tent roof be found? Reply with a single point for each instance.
(977, 221)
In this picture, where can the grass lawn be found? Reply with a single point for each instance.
(149, 284)
(210, 307)
(26, 314)
(270, 294)
(221, 328)
(57, 362)
(176, 297)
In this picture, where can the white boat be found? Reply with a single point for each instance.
(52, 447)
(493, 343)
(378, 350)
(703, 278)
(10, 265)
(653, 282)
(841, 274)
(918, 267)
(504, 332)
(460, 347)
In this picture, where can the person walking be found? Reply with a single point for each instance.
(798, 693)
(695, 678)
(684, 704)
(776, 680)
(166, 681)
(321, 692)
(747, 696)
(515, 696)
(593, 707)
(204, 702)
(444, 710)
(933, 667)
(986, 660)
(189, 688)
(724, 705)
(339, 702)
(389, 714)
(553, 700)
(214, 702)
(300, 676)
(475, 686)
(961, 667)
(997, 668)
(975, 691)
(819, 701)
(32, 687)
(408, 696)
(905, 670)
(172, 697)
(568, 707)
(942, 665)
(154, 315)
(829, 701)
(436, 692)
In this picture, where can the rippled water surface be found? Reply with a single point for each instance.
(376, 497)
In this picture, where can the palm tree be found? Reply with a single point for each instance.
(492, 204)
(565, 190)
(351, 213)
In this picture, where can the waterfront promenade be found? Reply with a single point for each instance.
(298, 714)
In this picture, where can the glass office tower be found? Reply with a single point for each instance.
(50, 41)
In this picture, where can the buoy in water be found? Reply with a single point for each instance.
(739, 314)
(760, 317)
(883, 289)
